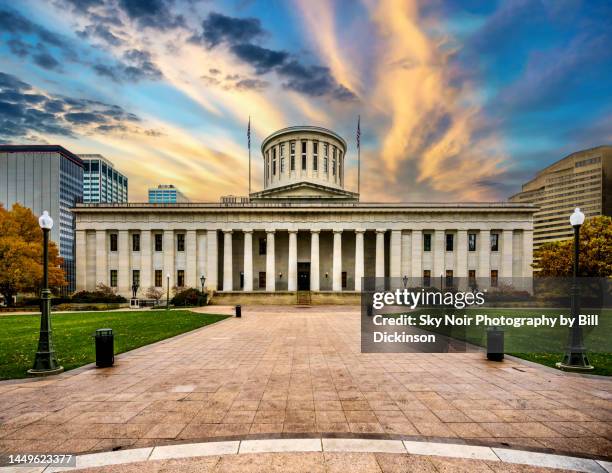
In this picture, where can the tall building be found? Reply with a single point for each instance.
(304, 231)
(166, 194)
(49, 178)
(101, 181)
(582, 179)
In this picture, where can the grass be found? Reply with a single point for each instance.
(542, 345)
(72, 335)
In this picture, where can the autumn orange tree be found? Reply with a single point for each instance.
(21, 254)
(556, 258)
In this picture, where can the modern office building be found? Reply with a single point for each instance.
(101, 181)
(582, 179)
(166, 194)
(303, 232)
(42, 178)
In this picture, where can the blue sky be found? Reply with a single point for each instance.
(458, 100)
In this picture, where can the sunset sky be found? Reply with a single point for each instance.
(459, 100)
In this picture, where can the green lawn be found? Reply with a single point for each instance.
(542, 345)
(72, 335)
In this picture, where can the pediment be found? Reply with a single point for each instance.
(305, 191)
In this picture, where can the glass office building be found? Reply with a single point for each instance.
(43, 177)
(166, 194)
(102, 183)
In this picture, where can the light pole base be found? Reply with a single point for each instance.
(40, 373)
(576, 368)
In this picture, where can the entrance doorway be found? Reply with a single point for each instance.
(303, 282)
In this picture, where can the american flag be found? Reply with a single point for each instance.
(359, 131)
(249, 132)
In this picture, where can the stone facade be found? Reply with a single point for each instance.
(299, 233)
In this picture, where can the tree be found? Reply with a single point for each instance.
(154, 293)
(21, 254)
(557, 258)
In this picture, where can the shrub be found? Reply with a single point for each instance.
(189, 296)
(102, 293)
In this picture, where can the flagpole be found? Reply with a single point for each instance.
(249, 139)
(359, 154)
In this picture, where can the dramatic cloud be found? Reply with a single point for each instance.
(152, 13)
(138, 66)
(25, 111)
(218, 28)
(262, 59)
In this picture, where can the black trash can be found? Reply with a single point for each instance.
(105, 347)
(238, 311)
(495, 344)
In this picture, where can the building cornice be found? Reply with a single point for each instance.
(306, 128)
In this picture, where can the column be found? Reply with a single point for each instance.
(124, 284)
(527, 253)
(292, 270)
(337, 262)
(417, 254)
(212, 260)
(405, 268)
(439, 248)
(380, 253)
(506, 262)
(484, 254)
(227, 261)
(168, 254)
(146, 280)
(191, 274)
(201, 244)
(395, 250)
(248, 260)
(314, 260)
(359, 267)
(270, 262)
(81, 260)
(462, 254)
(101, 258)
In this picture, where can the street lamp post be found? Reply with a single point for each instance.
(575, 358)
(167, 291)
(202, 281)
(45, 363)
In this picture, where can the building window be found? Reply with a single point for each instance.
(158, 242)
(471, 242)
(426, 278)
(427, 242)
(494, 278)
(494, 241)
(344, 278)
(180, 242)
(262, 279)
(136, 277)
(472, 278)
(303, 156)
(449, 241)
(136, 242)
(180, 278)
(267, 166)
(113, 278)
(449, 278)
(262, 246)
(241, 280)
(158, 278)
(340, 166)
(334, 161)
(315, 155)
(292, 156)
(113, 242)
(274, 161)
(282, 158)
(326, 158)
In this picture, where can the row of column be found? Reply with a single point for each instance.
(292, 259)
(210, 268)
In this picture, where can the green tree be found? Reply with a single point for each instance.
(21, 254)
(556, 258)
